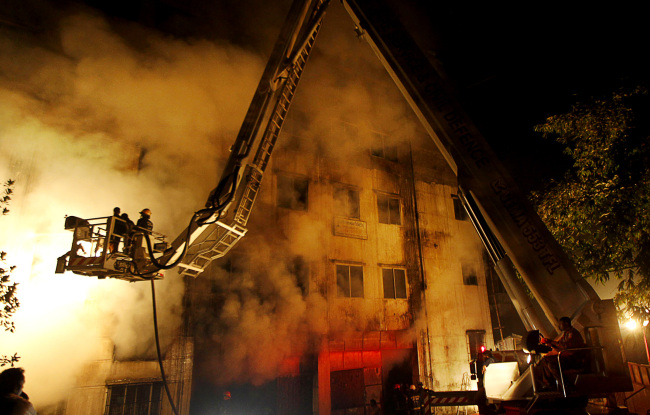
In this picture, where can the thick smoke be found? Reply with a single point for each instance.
(89, 121)
(260, 320)
(94, 116)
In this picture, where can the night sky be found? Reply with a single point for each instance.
(513, 66)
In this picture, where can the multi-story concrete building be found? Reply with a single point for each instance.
(384, 245)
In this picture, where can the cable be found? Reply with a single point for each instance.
(155, 329)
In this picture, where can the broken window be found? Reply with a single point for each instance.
(459, 211)
(388, 208)
(394, 282)
(349, 280)
(469, 274)
(381, 148)
(292, 192)
(346, 202)
(134, 398)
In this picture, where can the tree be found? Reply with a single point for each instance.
(600, 210)
(8, 299)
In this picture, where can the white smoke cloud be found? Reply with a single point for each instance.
(99, 118)
(90, 123)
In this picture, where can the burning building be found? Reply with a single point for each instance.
(359, 271)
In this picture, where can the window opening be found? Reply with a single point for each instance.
(389, 210)
(346, 202)
(349, 280)
(381, 148)
(134, 399)
(459, 211)
(469, 274)
(394, 282)
(292, 192)
(475, 339)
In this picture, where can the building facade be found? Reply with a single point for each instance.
(385, 246)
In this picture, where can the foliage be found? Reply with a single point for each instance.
(600, 210)
(8, 300)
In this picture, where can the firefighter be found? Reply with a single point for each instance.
(414, 401)
(144, 223)
(398, 400)
(119, 230)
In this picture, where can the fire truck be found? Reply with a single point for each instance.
(528, 260)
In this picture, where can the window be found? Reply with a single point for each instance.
(346, 202)
(394, 282)
(134, 399)
(292, 192)
(459, 211)
(382, 149)
(389, 210)
(349, 280)
(299, 268)
(475, 339)
(469, 274)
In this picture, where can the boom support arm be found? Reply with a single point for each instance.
(546, 270)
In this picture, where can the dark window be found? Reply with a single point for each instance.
(389, 210)
(134, 399)
(459, 211)
(475, 339)
(299, 268)
(394, 282)
(469, 274)
(381, 148)
(346, 203)
(292, 192)
(349, 280)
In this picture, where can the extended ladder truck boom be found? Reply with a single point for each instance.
(514, 236)
(215, 229)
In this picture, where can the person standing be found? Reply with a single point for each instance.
(119, 230)
(414, 401)
(144, 223)
(13, 401)
(397, 402)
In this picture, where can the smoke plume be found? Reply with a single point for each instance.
(91, 119)
(96, 114)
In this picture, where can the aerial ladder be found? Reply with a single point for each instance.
(527, 258)
(216, 228)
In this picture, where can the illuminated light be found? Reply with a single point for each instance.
(482, 348)
(529, 358)
(645, 323)
(631, 324)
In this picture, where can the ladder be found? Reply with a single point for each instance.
(219, 237)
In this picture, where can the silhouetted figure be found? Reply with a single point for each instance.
(128, 225)
(144, 223)
(414, 401)
(569, 339)
(397, 401)
(13, 401)
(119, 230)
(374, 408)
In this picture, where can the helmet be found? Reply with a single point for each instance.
(412, 387)
(146, 212)
(226, 395)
